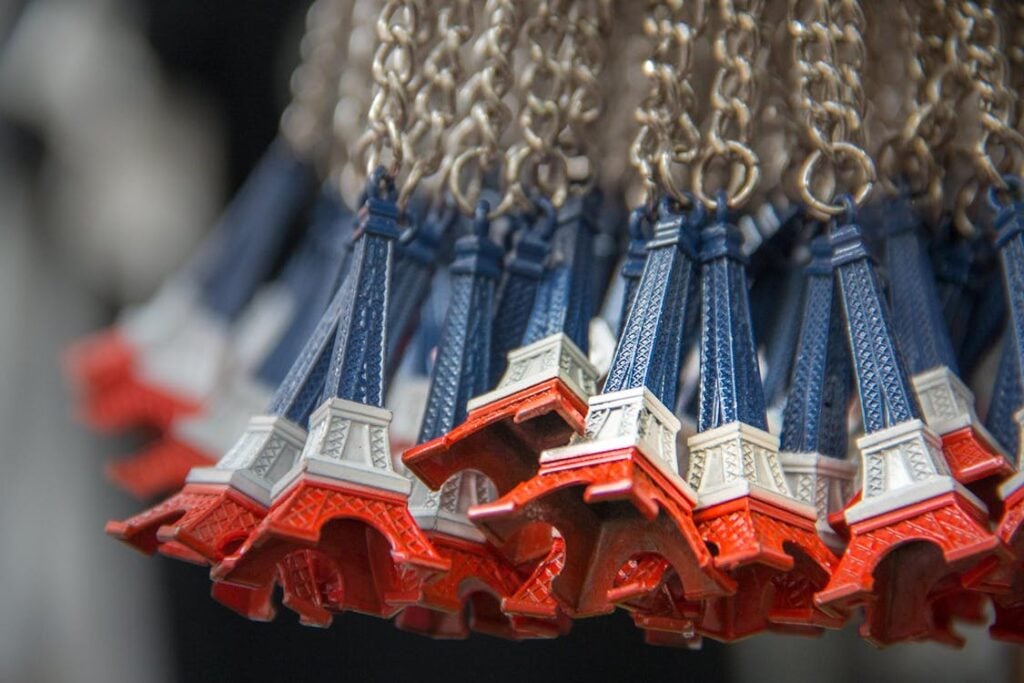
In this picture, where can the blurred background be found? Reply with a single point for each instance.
(124, 126)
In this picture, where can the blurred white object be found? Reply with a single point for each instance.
(133, 167)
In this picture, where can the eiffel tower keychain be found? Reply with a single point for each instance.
(435, 429)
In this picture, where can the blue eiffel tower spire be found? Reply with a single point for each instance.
(636, 257)
(565, 299)
(518, 289)
(886, 397)
(300, 391)
(1010, 242)
(917, 315)
(460, 371)
(814, 420)
(649, 348)
(416, 257)
(356, 371)
(1007, 398)
(730, 387)
(259, 221)
(315, 273)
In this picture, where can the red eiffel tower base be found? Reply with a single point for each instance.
(778, 561)
(371, 557)
(157, 469)
(503, 439)
(937, 540)
(478, 582)
(651, 591)
(627, 508)
(1004, 579)
(99, 361)
(131, 402)
(209, 519)
(974, 462)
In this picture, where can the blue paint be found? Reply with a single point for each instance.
(650, 344)
(814, 420)
(356, 371)
(883, 384)
(565, 298)
(463, 353)
(256, 228)
(314, 274)
(1006, 399)
(636, 257)
(918, 322)
(518, 287)
(730, 384)
(416, 259)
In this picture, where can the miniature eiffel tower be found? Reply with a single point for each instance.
(764, 537)
(908, 494)
(614, 494)
(974, 456)
(342, 499)
(541, 398)
(814, 433)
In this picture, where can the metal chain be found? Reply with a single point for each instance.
(733, 91)
(667, 134)
(985, 65)
(475, 140)
(545, 88)
(828, 50)
(400, 35)
(586, 49)
(305, 123)
(912, 154)
(977, 47)
(1015, 52)
(435, 102)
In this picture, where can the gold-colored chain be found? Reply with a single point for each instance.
(668, 134)
(435, 104)
(976, 45)
(401, 33)
(1015, 52)
(828, 50)
(544, 87)
(912, 154)
(985, 65)
(475, 140)
(586, 49)
(733, 90)
(306, 121)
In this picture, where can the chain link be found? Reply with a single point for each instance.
(912, 154)
(355, 91)
(401, 33)
(667, 134)
(828, 50)
(545, 88)
(586, 50)
(985, 65)
(435, 103)
(733, 91)
(475, 140)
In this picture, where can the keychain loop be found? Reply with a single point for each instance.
(477, 137)
(668, 134)
(828, 49)
(867, 177)
(745, 174)
(733, 90)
